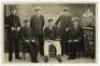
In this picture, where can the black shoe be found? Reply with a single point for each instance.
(70, 57)
(46, 59)
(10, 60)
(34, 61)
(18, 58)
(73, 58)
(59, 59)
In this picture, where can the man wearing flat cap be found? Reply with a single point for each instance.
(14, 25)
(75, 34)
(63, 23)
(37, 23)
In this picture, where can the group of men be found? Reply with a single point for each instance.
(66, 35)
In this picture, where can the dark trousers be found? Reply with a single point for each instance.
(64, 37)
(40, 43)
(73, 48)
(62, 46)
(13, 46)
(33, 50)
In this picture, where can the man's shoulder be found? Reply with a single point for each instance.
(46, 28)
(33, 16)
(42, 15)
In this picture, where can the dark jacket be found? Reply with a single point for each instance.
(65, 22)
(37, 24)
(50, 34)
(75, 33)
(13, 21)
(26, 33)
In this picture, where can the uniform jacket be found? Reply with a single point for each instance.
(13, 21)
(37, 23)
(64, 22)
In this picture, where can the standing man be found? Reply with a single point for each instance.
(14, 24)
(37, 23)
(63, 23)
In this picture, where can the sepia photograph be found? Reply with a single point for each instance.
(49, 33)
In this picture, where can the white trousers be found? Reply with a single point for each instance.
(56, 44)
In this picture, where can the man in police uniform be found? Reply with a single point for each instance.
(14, 25)
(63, 23)
(37, 23)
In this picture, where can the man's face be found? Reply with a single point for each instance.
(51, 23)
(66, 12)
(38, 12)
(75, 23)
(14, 12)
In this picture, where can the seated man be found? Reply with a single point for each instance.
(51, 39)
(75, 35)
(28, 39)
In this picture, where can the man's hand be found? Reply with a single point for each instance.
(58, 24)
(57, 39)
(27, 40)
(18, 28)
(66, 29)
(33, 40)
(69, 40)
(76, 40)
(12, 28)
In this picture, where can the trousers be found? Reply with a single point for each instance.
(33, 50)
(56, 44)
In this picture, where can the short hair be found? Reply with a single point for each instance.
(37, 8)
(50, 20)
(66, 9)
(12, 8)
